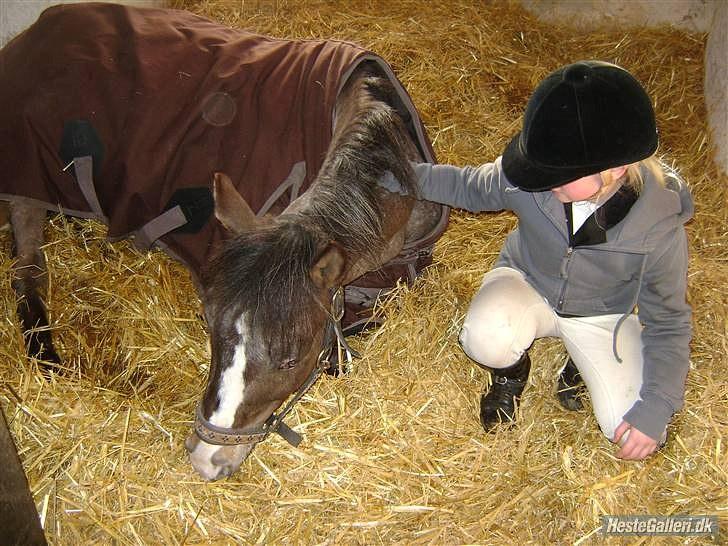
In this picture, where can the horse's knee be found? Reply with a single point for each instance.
(30, 269)
(27, 221)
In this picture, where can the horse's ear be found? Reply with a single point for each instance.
(328, 271)
(230, 207)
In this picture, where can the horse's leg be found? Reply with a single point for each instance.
(30, 279)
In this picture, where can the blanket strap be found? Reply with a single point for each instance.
(199, 206)
(196, 208)
(84, 170)
(144, 237)
(294, 181)
(187, 211)
(168, 221)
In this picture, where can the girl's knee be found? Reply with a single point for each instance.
(608, 428)
(503, 319)
(490, 347)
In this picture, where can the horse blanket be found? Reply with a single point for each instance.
(123, 114)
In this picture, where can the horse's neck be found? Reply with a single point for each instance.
(396, 211)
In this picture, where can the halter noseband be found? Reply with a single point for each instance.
(212, 434)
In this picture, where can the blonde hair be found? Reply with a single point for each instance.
(632, 177)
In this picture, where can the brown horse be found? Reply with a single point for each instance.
(272, 291)
(269, 293)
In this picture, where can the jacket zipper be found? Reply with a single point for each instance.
(564, 275)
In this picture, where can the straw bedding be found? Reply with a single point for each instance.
(393, 453)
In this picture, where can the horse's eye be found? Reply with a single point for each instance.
(288, 364)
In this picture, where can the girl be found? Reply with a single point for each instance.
(599, 258)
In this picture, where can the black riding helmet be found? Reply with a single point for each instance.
(582, 119)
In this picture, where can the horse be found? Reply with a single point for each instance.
(272, 285)
(270, 293)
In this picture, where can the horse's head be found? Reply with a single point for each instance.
(267, 303)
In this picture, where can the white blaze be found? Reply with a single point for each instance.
(230, 395)
(232, 382)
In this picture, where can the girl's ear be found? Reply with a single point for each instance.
(618, 172)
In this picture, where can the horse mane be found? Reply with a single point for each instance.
(266, 270)
(369, 139)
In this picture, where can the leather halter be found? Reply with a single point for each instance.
(212, 434)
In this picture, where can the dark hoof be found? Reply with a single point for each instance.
(50, 364)
(41, 348)
(49, 358)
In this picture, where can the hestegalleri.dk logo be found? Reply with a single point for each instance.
(659, 525)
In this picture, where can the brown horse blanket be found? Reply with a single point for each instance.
(124, 114)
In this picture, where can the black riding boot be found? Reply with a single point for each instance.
(499, 404)
(570, 387)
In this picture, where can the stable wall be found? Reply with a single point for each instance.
(16, 15)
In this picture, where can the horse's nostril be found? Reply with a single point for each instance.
(191, 442)
(225, 472)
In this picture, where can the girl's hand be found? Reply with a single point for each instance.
(637, 445)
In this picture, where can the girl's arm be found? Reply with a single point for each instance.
(472, 188)
(665, 313)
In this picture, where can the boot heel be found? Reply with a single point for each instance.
(570, 387)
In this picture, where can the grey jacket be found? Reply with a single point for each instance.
(643, 265)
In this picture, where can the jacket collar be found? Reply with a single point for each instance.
(658, 209)
(553, 209)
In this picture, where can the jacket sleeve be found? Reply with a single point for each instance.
(472, 188)
(665, 314)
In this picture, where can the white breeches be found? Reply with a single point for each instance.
(507, 314)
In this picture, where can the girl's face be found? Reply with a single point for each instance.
(589, 187)
(579, 190)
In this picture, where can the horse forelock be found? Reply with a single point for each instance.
(265, 274)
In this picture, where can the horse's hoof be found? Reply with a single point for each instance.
(43, 351)
(49, 358)
(50, 363)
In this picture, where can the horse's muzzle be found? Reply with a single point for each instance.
(214, 462)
